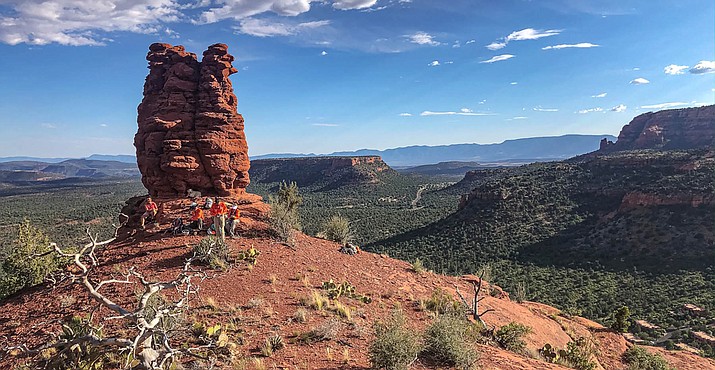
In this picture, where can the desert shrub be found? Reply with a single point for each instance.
(337, 229)
(78, 357)
(621, 319)
(418, 267)
(212, 251)
(511, 336)
(638, 358)
(273, 343)
(449, 341)
(578, 354)
(327, 330)
(395, 346)
(520, 292)
(443, 303)
(283, 217)
(20, 267)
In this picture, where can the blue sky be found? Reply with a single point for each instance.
(323, 76)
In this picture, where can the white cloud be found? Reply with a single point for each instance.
(434, 63)
(75, 22)
(457, 44)
(636, 69)
(405, 114)
(422, 38)
(664, 105)
(265, 28)
(323, 53)
(531, 34)
(674, 69)
(498, 58)
(581, 45)
(325, 124)
(525, 34)
(513, 83)
(496, 45)
(619, 108)
(601, 95)
(470, 42)
(103, 125)
(465, 110)
(519, 117)
(704, 66)
(590, 110)
(353, 4)
(539, 109)
(639, 81)
(48, 126)
(460, 113)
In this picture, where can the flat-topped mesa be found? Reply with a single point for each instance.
(687, 128)
(190, 135)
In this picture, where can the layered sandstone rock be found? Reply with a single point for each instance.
(687, 128)
(190, 135)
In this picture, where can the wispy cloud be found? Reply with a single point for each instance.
(323, 53)
(353, 4)
(462, 112)
(434, 63)
(590, 110)
(704, 66)
(664, 105)
(525, 34)
(470, 42)
(539, 109)
(405, 114)
(265, 28)
(422, 38)
(325, 124)
(601, 95)
(103, 125)
(498, 58)
(513, 83)
(639, 81)
(619, 108)
(48, 126)
(674, 69)
(518, 118)
(581, 45)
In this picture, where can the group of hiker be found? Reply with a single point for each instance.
(224, 220)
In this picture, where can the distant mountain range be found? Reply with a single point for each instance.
(509, 152)
(15, 171)
(526, 150)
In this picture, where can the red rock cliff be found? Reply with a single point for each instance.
(687, 128)
(190, 135)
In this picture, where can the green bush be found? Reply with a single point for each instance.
(449, 341)
(337, 229)
(442, 302)
(621, 319)
(283, 217)
(395, 346)
(578, 355)
(511, 336)
(638, 358)
(20, 267)
(213, 251)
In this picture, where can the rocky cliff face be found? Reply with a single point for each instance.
(687, 128)
(190, 135)
(322, 171)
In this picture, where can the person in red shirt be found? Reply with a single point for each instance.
(150, 210)
(197, 217)
(219, 211)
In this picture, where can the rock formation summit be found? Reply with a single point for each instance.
(190, 135)
(687, 128)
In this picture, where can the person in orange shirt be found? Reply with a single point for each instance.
(150, 210)
(197, 217)
(219, 211)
